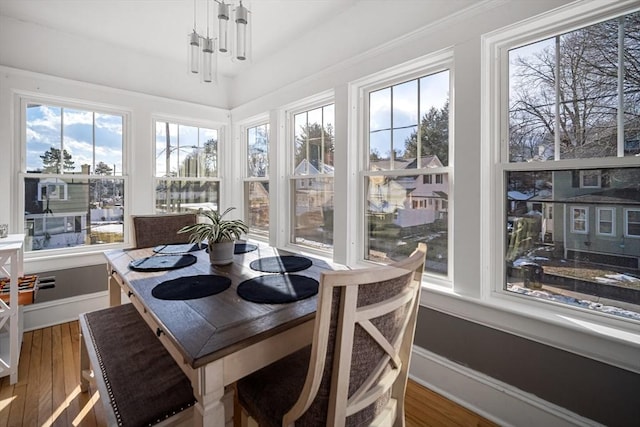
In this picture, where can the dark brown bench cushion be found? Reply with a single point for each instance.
(145, 385)
(154, 230)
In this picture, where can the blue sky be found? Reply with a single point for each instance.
(50, 126)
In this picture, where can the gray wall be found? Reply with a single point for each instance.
(594, 390)
(73, 282)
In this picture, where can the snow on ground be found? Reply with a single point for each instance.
(591, 305)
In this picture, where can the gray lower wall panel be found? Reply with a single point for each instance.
(592, 389)
(73, 282)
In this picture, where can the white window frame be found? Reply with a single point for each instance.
(599, 211)
(626, 224)
(52, 258)
(359, 101)
(601, 337)
(282, 178)
(574, 219)
(243, 127)
(188, 122)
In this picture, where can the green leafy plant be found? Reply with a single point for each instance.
(216, 229)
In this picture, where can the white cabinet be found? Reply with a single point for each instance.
(11, 265)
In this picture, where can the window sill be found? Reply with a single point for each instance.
(37, 262)
(604, 339)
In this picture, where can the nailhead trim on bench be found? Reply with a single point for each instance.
(107, 322)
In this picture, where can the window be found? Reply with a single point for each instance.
(606, 224)
(407, 171)
(186, 163)
(632, 223)
(313, 149)
(571, 114)
(579, 220)
(256, 190)
(72, 176)
(590, 179)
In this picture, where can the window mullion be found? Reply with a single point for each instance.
(621, 75)
(556, 139)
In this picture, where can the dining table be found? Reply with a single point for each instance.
(219, 337)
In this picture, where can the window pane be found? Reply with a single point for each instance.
(631, 84)
(258, 151)
(581, 106)
(380, 150)
(186, 151)
(313, 212)
(166, 140)
(77, 132)
(43, 134)
(186, 196)
(405, 104)
(583, 255)
(403, 211)
(207, 153)
(69, 212)
(109, 143)
(425, 98)
(257, 206)
(314, 142)
(380, 125)
(434, 116)
(328, 113)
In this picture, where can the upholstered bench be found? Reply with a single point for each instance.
(139, 382)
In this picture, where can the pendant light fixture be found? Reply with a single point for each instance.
(237, 45)
(209, 71)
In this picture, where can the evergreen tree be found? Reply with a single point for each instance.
(434, 136)
(103, 169)
(53, 163)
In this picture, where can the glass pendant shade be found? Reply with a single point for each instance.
(234, 35)
(209, 63)
(223, 27)
(242, 15)
(194, 52)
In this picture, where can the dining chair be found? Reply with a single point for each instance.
(355, 371)
(162, 229)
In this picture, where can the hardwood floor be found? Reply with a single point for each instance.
(48, 393)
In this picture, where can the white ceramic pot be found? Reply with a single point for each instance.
(221, 253)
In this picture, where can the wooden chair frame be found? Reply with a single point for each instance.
(398, 351)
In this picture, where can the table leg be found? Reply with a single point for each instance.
(208, 387)
(114, 292)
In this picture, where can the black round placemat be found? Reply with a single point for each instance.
(281, 264)
(242, 248)
(278, 288)
(162, 262)
(191, 287)
(179, 248)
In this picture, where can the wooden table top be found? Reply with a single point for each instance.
(212, 327)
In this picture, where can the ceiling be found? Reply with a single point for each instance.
(160, 27)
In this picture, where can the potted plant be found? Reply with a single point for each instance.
(219, 233)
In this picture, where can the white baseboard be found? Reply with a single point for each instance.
(42, 315)
(488, 397)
